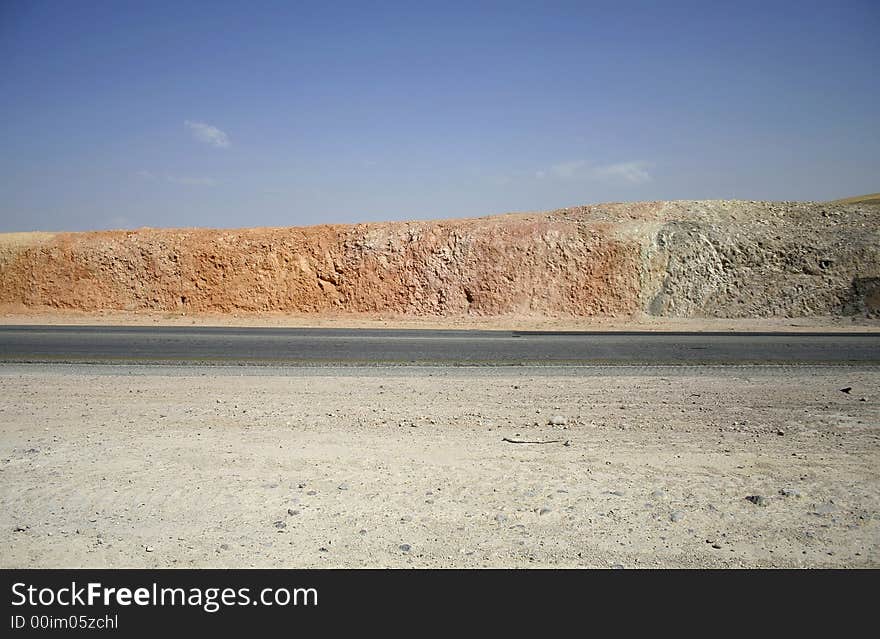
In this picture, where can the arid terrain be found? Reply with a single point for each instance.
(407, 467)
(111, 465)
(681, 259)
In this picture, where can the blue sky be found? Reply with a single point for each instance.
(227, 114)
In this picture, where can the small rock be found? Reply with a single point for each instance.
(758, 500)
(676, 516)
(279, 525)
(405, 547)
(20, 529)
(312, 492)
(618, 493)
(148, 548)
(557, 420)
(224, 546)
(343, 486)
(824, 509)
(790, 492)
(616, 566)
(500, 518)
(780, 432)
(658, 494)
(291, 511)
(846, 390)
(544, 510)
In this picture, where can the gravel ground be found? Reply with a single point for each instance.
(126, 466)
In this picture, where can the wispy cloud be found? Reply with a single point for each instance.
(627, 172)
(208, 134)
(563, 170)
(191, 181)
(178, 179)
(623, 172)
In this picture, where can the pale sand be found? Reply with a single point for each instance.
(99, 463)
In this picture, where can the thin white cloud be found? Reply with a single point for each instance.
(635, 172)
(191, 181)
(627, 172)
(568, 170)
(177, 179)
(208, 134)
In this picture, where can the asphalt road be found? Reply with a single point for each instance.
(102, 344)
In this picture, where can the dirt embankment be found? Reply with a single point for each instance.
(671, 259)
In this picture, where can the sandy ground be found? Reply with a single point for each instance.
(407, 467)
(19, 315)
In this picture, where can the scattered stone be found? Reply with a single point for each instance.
(224, 546)
(566, 443)
(279, 525)
(790, 492)
(292, 511)
(500, 518)
(343, 486)
(405, 547)
(758, 500)
(676, 516)
(557, 420)
(148, 548)
(825, 509)
(618, 493)
(658, 494)
(846, 390)
(544, 510)
(780, 432)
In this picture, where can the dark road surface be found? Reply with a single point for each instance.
(103, 344)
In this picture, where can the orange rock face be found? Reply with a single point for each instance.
(686, 259)
(487, 267)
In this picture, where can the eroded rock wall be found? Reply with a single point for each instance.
(713, 259)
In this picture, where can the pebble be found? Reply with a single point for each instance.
(790, 492)
(279, 525)
(148, 548)
(544, 510)
(758, 500)
(291, 511)
(343, 486)
(557, 420)
(676, 516)
(658, 494)
(405, 547)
